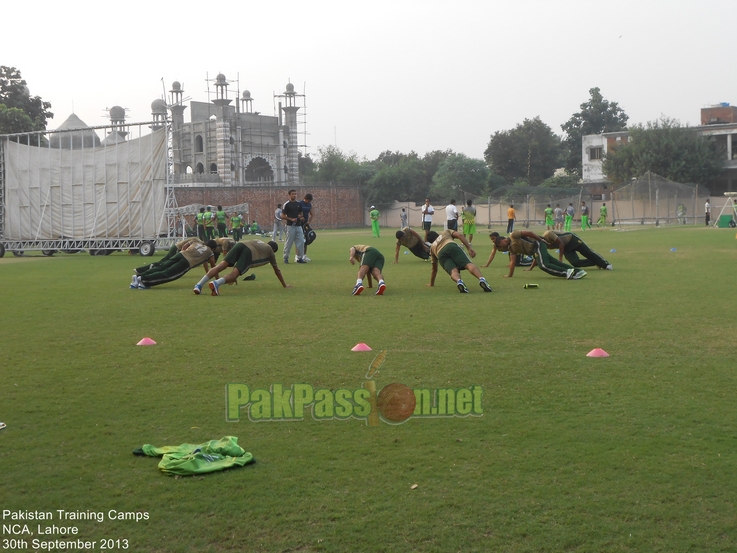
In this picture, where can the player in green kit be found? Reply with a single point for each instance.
(374, 214)
(221, 219)
(209, 223)
(235, 226)
(549, 223)
(602, 216)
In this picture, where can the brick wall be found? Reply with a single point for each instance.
(332, 206)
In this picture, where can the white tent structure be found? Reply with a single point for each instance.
(61, 192)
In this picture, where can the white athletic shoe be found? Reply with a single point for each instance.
(609, 267)
(579, 274)
(134, 282)
(569, 273)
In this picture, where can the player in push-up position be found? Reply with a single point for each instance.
(243, 256)
(445, 251)
(372, 262)
(413, 242)
(182, 257)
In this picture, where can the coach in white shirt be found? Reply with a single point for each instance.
(451, 214)
(427, 211)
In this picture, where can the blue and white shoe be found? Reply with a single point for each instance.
(197, 289)
(380, 289)
(462, 287)
(215, 289)
(485, 285)
(357, 289)
(134, 282)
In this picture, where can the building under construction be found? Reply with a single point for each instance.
(228, 144)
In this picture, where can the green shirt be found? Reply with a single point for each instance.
(374, 214)
(235, 221)
(548, 212)
(220, 216)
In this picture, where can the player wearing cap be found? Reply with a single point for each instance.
(374, 214)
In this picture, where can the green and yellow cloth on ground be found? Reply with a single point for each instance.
(189, 459)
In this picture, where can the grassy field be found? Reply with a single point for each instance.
(634, 452)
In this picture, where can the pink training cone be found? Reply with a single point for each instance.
(361, 347)
(146, 342)
(597, 352)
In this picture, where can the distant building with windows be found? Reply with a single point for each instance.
(229, 144)
(718, 121)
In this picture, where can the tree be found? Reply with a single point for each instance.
(530, 152)
(307, 167)
(596, 116)
(668, 149)
(335, 166)
(458, 176)
(13, 120)
(393, 182)
(14, 94)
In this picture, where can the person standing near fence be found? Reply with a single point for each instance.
(469, 220)
(278, 224)
(549, 223)
(403, 218)
(602, 216)
(427, 212)
(374, 214)
(235, 226)
(707, 212)
(681, 214)
(209, 223)
(569, 217)
(451, 215)
(222, 218)
(511, 218)
(292, 214)
(200, 220)
(585, 216)
(558, 213)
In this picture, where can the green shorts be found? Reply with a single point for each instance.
(453, 257)
(469, 229)
(549, 221)
(373, 258)
(239, 257)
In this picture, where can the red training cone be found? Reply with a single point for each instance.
(146, 342)
(597, 352)
(360, 347)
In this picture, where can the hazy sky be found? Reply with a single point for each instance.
(381, 75)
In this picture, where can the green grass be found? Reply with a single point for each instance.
(635, 452)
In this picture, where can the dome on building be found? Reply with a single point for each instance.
(290, 88)
(220, 79)
(176, 86)
(82, 137)
(158, 107)
(117, 113)
(247, 95)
